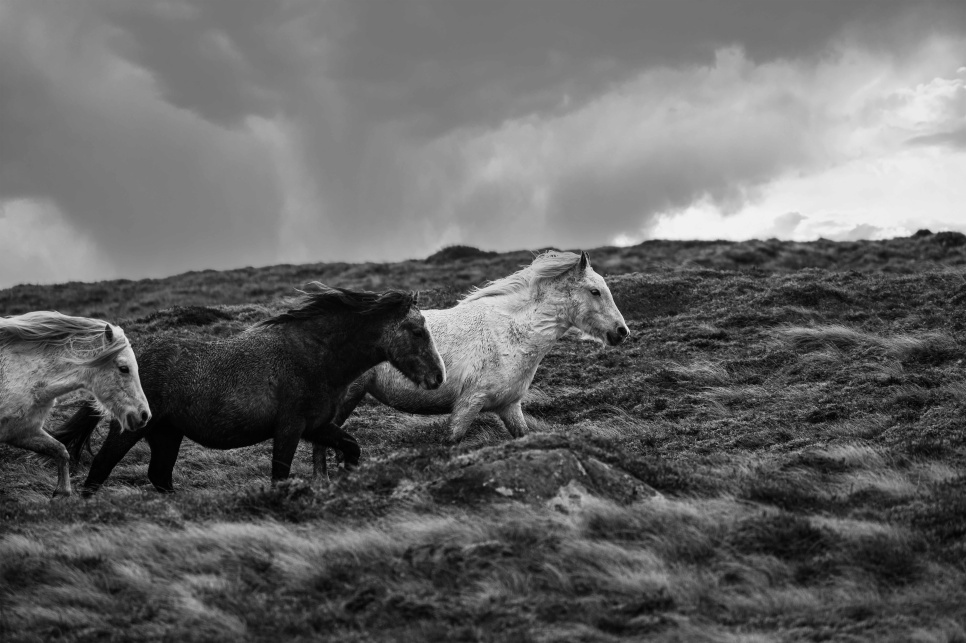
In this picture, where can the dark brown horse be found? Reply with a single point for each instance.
(281, 379)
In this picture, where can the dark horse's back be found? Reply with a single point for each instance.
(222, 394)
(213, 391)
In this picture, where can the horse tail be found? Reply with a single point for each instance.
(353, 395)
(75, 433)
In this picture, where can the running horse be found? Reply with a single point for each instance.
(44, 355)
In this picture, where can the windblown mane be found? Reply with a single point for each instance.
(546, 265)
(326, 299)
(82, 338)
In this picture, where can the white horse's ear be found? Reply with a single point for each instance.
(584, 262)
(416, 298)
(108, 333)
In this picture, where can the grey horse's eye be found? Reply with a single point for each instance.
(419, 332)
(595, 292)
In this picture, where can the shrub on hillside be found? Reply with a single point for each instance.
(458, 252)
(949, 239)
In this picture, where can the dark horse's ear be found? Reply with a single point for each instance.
(584, 262)
(108, 333)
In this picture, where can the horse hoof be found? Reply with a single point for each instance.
(60, 494)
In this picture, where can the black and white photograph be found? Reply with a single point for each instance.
(483, 320)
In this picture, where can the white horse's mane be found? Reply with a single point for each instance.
(546, 265)
(82, 338)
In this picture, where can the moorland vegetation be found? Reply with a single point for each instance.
(777, 452)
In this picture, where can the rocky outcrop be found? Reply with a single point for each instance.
(534, 469)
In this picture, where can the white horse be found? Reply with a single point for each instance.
(44, 355)
(493, 340)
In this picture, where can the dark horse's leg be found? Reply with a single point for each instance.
(353, 395)
(165, 443)
(288, 432)
(115, 447)
(328, 435)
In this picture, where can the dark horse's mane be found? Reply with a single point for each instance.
(326, 299)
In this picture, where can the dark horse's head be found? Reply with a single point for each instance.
(409, 344)
(403, 338)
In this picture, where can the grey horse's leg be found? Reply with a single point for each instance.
(39, 441)
(465, 410)
(512, 417)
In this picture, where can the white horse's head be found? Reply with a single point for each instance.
(589, 305)
(114, 381)
(564, 285)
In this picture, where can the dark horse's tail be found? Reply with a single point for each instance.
(76, 432)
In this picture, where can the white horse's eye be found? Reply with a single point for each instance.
(595, 292)
(124, 368)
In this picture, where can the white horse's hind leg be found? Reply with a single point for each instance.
(465, 410)
(512, 417)
(41, 442)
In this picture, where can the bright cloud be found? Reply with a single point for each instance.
(39, 245)
(722, 151)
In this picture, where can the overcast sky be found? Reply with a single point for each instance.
(149, 138)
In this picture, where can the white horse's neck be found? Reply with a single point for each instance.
(60, 378)
(542, 321)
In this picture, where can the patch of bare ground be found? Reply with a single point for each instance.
(774, 454)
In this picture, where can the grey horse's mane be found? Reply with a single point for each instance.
(546, 265)
(83, 338)
(326, 299)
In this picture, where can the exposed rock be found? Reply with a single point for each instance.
(535, 469)
(569, 498)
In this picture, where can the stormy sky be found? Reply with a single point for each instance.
(149, 138)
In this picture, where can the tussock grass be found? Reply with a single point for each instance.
(702, 372)
(926, 348)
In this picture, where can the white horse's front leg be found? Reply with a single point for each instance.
(42, 442)
(512, 417)
(465, 410)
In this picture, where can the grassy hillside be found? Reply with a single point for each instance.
(457, 268)
(775, 454)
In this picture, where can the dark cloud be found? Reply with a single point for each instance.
(156, 188)
(444, 64)
(224, 132)
(222, 60)
(438, 64)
